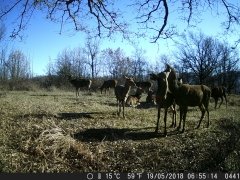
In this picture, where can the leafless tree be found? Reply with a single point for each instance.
(71, 62)
(199, 55)
(117, 63)
(104, 18)
(140, 64)
(3, 54)
(228, 66)
(18, 65)
(92, 51)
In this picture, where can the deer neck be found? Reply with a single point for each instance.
(126, 88)
(174, 86)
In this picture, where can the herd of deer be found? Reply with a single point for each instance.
(170, 91)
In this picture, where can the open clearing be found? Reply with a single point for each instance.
(56, 132)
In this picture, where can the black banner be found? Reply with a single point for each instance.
(120, 176)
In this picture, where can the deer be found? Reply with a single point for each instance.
(121, 93)
(186, 95)
(111, 83)
(151, 98)
(80, 83)
(145, 85)
(133, 100)
(164, 99)
(219, 92)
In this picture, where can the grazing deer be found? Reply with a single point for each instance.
(111, 83)
(145, 85)
(187, 95)
(219, 92)
(133, 100)
(164, 98)
(121, 93)
(80, 83)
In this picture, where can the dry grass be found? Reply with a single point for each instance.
(55, 132)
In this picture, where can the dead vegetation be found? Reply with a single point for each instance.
(55, 132)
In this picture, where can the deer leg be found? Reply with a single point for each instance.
(118, 107)
(207, 117)
(221, 101)
(165, 121)
(184, 117)
(225, 100)
(76, 92)
(181, 116)
(173, 116)
(158, 118)
(202, 108)
(123, 106)
(216, 101)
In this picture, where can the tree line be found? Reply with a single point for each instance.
(199, 59)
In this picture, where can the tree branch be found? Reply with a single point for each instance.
(164, 22)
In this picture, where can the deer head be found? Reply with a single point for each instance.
(162, 81)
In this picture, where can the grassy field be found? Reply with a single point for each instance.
(56, 132)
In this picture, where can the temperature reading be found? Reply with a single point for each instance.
(134, 175)
(113, 176)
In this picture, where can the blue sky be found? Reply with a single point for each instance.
(43, 42)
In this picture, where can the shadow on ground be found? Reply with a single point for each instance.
(114, 134)
(61, 116)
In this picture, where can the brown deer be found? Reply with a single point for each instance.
(186, 95)
(219, 92)
(121, 93)
(145, 85)
(164, 99)
(133, 100)
(111, 83)
(80, 83)
(151, 98)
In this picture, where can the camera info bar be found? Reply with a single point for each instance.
(124, 176)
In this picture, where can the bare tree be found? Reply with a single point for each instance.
(117, 63)
(71, 62)
(18, 65)
(92, 51)
(107, 17)
(139, 64)
(3, 54)
(199, 55)
(228, 67)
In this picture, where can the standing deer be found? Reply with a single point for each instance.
(187, 95)
(133, 100)
(80, 83)
(121, 93)
(111, 83)
(164, 99)
(219, 92)
(145, 85)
